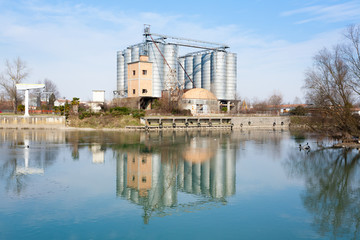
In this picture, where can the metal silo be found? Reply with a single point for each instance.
(197, 71)
(135, 53)
(230, 76)
(120, 86)
(157, 67)
(189, 71)
(127, 59)
(181, 73)
(170, 54)
(206, 71)
(218, 74)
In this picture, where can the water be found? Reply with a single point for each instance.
(175, 185)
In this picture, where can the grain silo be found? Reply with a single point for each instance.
(127, 59)
(206, 70)
(170, 54)
(158, 67)
(197, 71)
(213, 68)
(189, 70)
(230, 89)
(218, 74)
(181, 73)
(120, 72)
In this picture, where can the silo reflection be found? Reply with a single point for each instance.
(205, 167)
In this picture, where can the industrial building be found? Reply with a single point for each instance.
(212, 68)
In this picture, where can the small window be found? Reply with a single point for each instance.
(133, 178)
(143, 179)
(144, 72)
(133, 91)
(133, 160)
(144, 91)
(133, 72)
(143, 160)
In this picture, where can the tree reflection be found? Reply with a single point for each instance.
(332, 189)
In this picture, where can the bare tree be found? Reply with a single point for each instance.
(297, 100)
(275, 100)
(16, 71)
(51, 87)
(351, 54)
(328, 86)
(259, 105)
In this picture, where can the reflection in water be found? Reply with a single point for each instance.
(204, 167)
(98, 154)
(332, 189)
(26, 169)
(26, 155)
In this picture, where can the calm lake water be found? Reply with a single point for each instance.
(176, 185)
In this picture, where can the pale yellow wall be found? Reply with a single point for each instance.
(145, 80)
(144, 58)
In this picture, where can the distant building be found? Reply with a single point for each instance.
(98, 100)
(60, 102)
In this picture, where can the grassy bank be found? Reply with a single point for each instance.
(103, 121)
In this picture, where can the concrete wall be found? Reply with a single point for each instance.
(47, 122)
(261, 122)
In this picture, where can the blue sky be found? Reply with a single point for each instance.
(74, 43)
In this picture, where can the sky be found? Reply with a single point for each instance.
(74, 43)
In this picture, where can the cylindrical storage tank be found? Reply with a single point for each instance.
(230, 76)
(120, 86)
(197, 71)
(189, 71)
(135, 53)
(181, 73)
(206, 71)
(127, 59)
(157, 67)
(218, 74)
(170, 54)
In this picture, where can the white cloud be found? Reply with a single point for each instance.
(334, 13)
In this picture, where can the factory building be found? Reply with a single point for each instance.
(213, 68)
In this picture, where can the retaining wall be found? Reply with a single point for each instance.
(261, 122)
(44, 122)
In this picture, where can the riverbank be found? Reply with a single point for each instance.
(131, 123)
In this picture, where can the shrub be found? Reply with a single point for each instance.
(20, 108)
(115, 111)
(298, 111)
